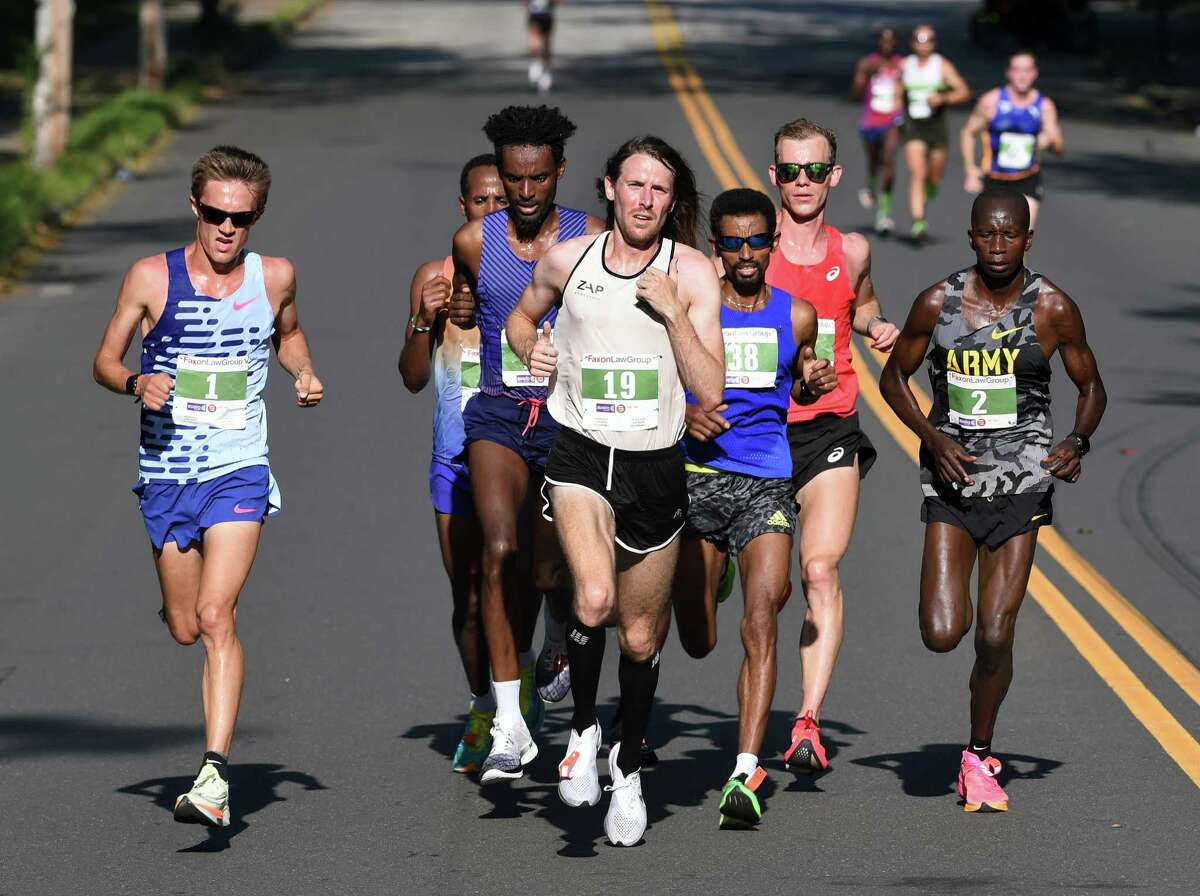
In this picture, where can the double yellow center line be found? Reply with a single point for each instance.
(729, 165)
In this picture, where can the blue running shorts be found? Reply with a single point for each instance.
(525, 428)
(450, 488)
(181, 513)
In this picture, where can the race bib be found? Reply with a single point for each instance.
(468, 374)
(826, 333)
(751, 357)
(883, 96)
(918, 103)
(515, 373)
(210, 392)
(1016, 150)
(982, 402)
(619, 392)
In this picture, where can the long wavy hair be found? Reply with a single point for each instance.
(682, 220)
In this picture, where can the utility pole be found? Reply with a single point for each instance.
(52, 93)
(152, 45)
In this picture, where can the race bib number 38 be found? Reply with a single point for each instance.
(751, 357)
(619, 392)
(210, 391)
(982, 402)
(514, 372)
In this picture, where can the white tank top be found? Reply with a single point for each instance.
(920, 81)
(616, 382)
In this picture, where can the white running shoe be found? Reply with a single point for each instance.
(536, 69)
(884, 224)
(578, 780)
(545, 82)
(625, 821)
(866, 197)
(208, 800)
(553, 671)
(511, 751)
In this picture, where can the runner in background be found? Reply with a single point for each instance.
(540, 29)
(877, 84)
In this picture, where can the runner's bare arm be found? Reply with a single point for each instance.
(428, 295)
(1059, 316)
(812, 377)
(977, 122)
(543, 293)
(145, 281)
(594, 225)
(467, 250)
(905, 360)
(291, 345)
(866, 314)
(959, 91)
(859, 85)
(1051, 136)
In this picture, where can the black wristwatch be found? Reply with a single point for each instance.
(131, 384)
(1081, 442)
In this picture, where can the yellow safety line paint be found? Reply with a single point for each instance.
(1145, 707)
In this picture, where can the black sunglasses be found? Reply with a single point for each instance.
(218, 215)
(735, 243)
(786, 172)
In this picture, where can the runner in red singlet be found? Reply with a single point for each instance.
(830, 453)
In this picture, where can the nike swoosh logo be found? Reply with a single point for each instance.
(238, 508)
(238, 306)
(1034, 519)
(997, 333)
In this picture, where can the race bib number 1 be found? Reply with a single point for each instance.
(1016, 150)
(751, 357)
(513, 370)
(826, 334)
(210, 391)
(469, 374)
(982, 402)
(619, 392)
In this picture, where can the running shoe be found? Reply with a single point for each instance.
(806, 755)
(625, 820)
(883, 223)
(553, 675)
(475, 742)
(977, 784)
(208, 800)
(578, 780)
(533, 710)
(545, 82)
(740, 807)
(536, 69)
(920, 230)
(725, 588)
(866, 197)
(511, 751)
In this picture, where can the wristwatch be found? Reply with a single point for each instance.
(131, 384)
(415, 323)
(1081, 442)
(877, 317)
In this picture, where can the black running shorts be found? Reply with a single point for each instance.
(645, 490)
(933, 131)
(730, 510)
(1031, 186)
(991, 521)
(826, 443)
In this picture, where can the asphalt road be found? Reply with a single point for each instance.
(354, 696)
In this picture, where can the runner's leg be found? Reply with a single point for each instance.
(179, 579)
(887, 162)
(937, 166)
(765, 564)
(694, 596)
(915, 155)
(461, 543)
(946, 608)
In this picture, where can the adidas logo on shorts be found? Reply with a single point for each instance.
(778, 519)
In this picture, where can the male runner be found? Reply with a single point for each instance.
(639, 323)
(739, 468)
(931, 84)
(986, 462)
(433, 345)
(830, 454)
(208, 314)
(540, 29)
(507, 437)
(877, 84)
(1020, 122)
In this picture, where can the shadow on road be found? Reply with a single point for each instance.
(40, 736)
(932, 770)
(253, 787)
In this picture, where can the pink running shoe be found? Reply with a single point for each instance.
(977, 784)
(806, 754)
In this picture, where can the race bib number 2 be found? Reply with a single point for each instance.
(210, 392)
(751, 357)
(513, 369)
(982, 402)
(619, 392)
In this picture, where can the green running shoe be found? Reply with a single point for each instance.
(725, 588)
(475, 742)
(533, 709)
(740, 808)
(920, 230)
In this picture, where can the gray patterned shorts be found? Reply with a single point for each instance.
(732, 509)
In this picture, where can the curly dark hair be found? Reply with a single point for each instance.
(530, 126)
(681, 222)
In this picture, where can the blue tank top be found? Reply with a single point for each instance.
(502, 278)
(756, 442)
(238, 326)
(1012, 137)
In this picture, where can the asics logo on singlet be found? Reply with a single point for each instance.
(834, 273)
(578, 637)
(836, 454)
(594, 288)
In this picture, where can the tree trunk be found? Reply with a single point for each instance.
(152, 72)
(52, 93)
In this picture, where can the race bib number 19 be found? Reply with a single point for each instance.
(751, 357)
(619, 392)
(210, 391)
(514, 371)
(982, 402)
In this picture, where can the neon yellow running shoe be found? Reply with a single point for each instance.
(740, 807)
(533, 709)
(475, 742)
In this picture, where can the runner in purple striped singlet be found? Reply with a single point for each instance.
(508, 433)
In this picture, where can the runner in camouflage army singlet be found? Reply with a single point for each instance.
(991, 394)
